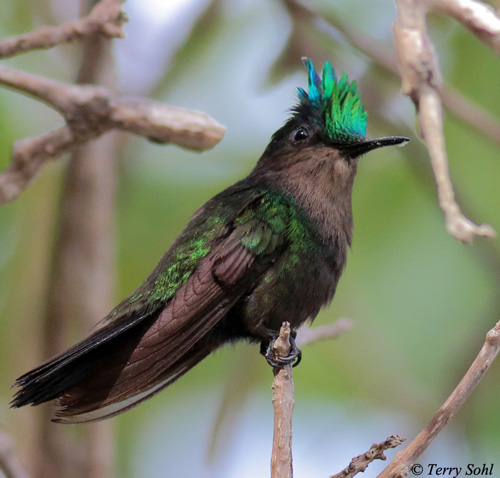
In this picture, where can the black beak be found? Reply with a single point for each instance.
(367, 145)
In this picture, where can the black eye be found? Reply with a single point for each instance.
(300, 134)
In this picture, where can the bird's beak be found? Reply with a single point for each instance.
(367, 145)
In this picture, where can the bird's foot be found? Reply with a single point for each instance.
(294, 357)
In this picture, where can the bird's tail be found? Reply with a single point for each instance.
(93, 400)
(113, 371)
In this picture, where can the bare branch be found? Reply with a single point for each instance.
(94, 110)
(28, 157)
(421, 81)
(405, 459)
(9, 463)
(419, 68)
(478, 17)
(376, 452)
(91, 111)
(307, 335)
(431, 126)
(166, 124)
(464, 109)
(283, 403)
(106, 18)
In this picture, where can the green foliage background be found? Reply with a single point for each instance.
(421, 302)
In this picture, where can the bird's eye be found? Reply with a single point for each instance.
(300, 134)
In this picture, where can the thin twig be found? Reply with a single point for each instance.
(405, 459)
(283, 403)
(376, 452)
(307, 335)
(471, 114)
(91, 111)
(421, 81)
(106, 18)
(81, 280)
(10, 466)
(475, 117)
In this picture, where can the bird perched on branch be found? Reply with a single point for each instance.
(271, 248)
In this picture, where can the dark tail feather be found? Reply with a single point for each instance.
(48, 381)
(87, 403)
(134, 357)
(95, 380)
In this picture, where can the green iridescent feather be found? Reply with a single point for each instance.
(264, 224)
(338, 103)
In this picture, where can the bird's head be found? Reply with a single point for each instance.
(328, 123)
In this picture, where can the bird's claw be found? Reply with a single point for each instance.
(294, 357)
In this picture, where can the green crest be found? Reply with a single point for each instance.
(338, 102)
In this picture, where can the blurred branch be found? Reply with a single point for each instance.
(283, 403)
(81, 283)
(471, 114)
(237, 389)
(421, 81)
(478, 17)
(405, 459)
(106, 18)
(10, 466)
(376, 452)
(307, 335)
(91, 111)
(454, 101)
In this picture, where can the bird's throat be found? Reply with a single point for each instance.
(323, 191)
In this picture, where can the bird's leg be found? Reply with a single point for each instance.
(267, 349)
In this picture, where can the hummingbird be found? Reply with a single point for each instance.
(268, 249)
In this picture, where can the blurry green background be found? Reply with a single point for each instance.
(421, 302)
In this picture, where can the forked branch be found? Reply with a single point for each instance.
(405, 459)
(105, 18)
(421, 79)
(91, 111)
(376, 452)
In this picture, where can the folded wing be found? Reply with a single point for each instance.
(125, 363)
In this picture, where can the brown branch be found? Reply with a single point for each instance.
(90, 111)
(283, 403)
(405, 459)
(106, 18)
(283, 391)
(421, 77)
(481, 19)
(82, 278)
(421, 81)
(464, 109)
(307, 335)
(10, 465)
(431, 112)
(376, 452)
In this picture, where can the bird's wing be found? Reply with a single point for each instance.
(146, 357)
(175, 341)
(138, 308)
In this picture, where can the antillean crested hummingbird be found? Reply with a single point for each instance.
(268, 249)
